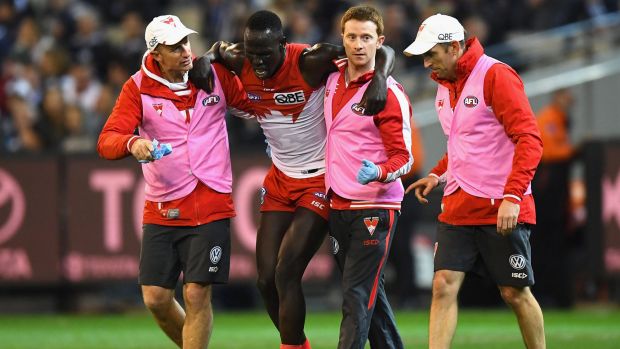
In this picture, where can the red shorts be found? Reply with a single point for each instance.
(285, 194)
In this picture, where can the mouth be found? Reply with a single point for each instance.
(261, 72)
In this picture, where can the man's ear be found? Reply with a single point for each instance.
(156, 55)
(380, 41)
(456, 46)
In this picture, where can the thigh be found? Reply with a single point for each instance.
(205, 253)
(371, 232)
(302, 239)
(271, 230)
(159, 260)
(507, 258)
(455, 248)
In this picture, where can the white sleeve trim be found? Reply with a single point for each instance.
(406, 116)
(129, 141)
(512, 196)
(442, 179)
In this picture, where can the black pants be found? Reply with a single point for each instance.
(361, 241)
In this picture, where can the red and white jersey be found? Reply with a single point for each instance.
(293, 124)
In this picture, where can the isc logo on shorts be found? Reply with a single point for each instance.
(286, 98)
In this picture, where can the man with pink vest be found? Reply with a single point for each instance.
(188, 192)
(494, 147)
(365, 157)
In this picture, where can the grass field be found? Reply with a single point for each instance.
(584, 329)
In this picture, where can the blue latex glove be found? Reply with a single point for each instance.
(368, 172)
(159, 150)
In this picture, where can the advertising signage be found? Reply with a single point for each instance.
(81, 222)
(29, 221)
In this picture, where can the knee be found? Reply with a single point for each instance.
(266, 281)
(444, 287)
(157, 299)
(514, 296)
(197, 296)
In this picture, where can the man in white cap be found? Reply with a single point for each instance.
(494, 147)
(186, 223)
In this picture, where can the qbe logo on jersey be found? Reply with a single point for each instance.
(288, 98)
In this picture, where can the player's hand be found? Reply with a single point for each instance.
(374, 98)
(507, 216)
(141, 150)
(367, 173)
(201, 74)
(423, 187)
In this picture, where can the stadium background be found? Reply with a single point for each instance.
(70, 222)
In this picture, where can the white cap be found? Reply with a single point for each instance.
(434, 30)
(165, 30)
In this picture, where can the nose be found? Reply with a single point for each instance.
(358, 44)
(187, 50)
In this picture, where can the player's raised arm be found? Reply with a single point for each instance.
(317, 62)
(375, 96)
(229, 54)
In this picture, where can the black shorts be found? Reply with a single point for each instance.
(482, 250)
(201, 252)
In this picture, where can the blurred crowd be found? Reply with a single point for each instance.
(63, 62)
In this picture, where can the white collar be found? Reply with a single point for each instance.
(174, 86)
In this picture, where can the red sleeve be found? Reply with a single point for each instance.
(390, 123)
(118, 132)
(234, 92)
(441, 167)
(504, 92)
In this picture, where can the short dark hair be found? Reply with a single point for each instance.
(264, 20)
(363, 14)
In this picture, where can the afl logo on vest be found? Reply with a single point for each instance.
(211, 100)
(357, 109)
(470, 101)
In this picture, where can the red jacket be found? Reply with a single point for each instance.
(203, 205)
(389, 121)
(504, 92)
